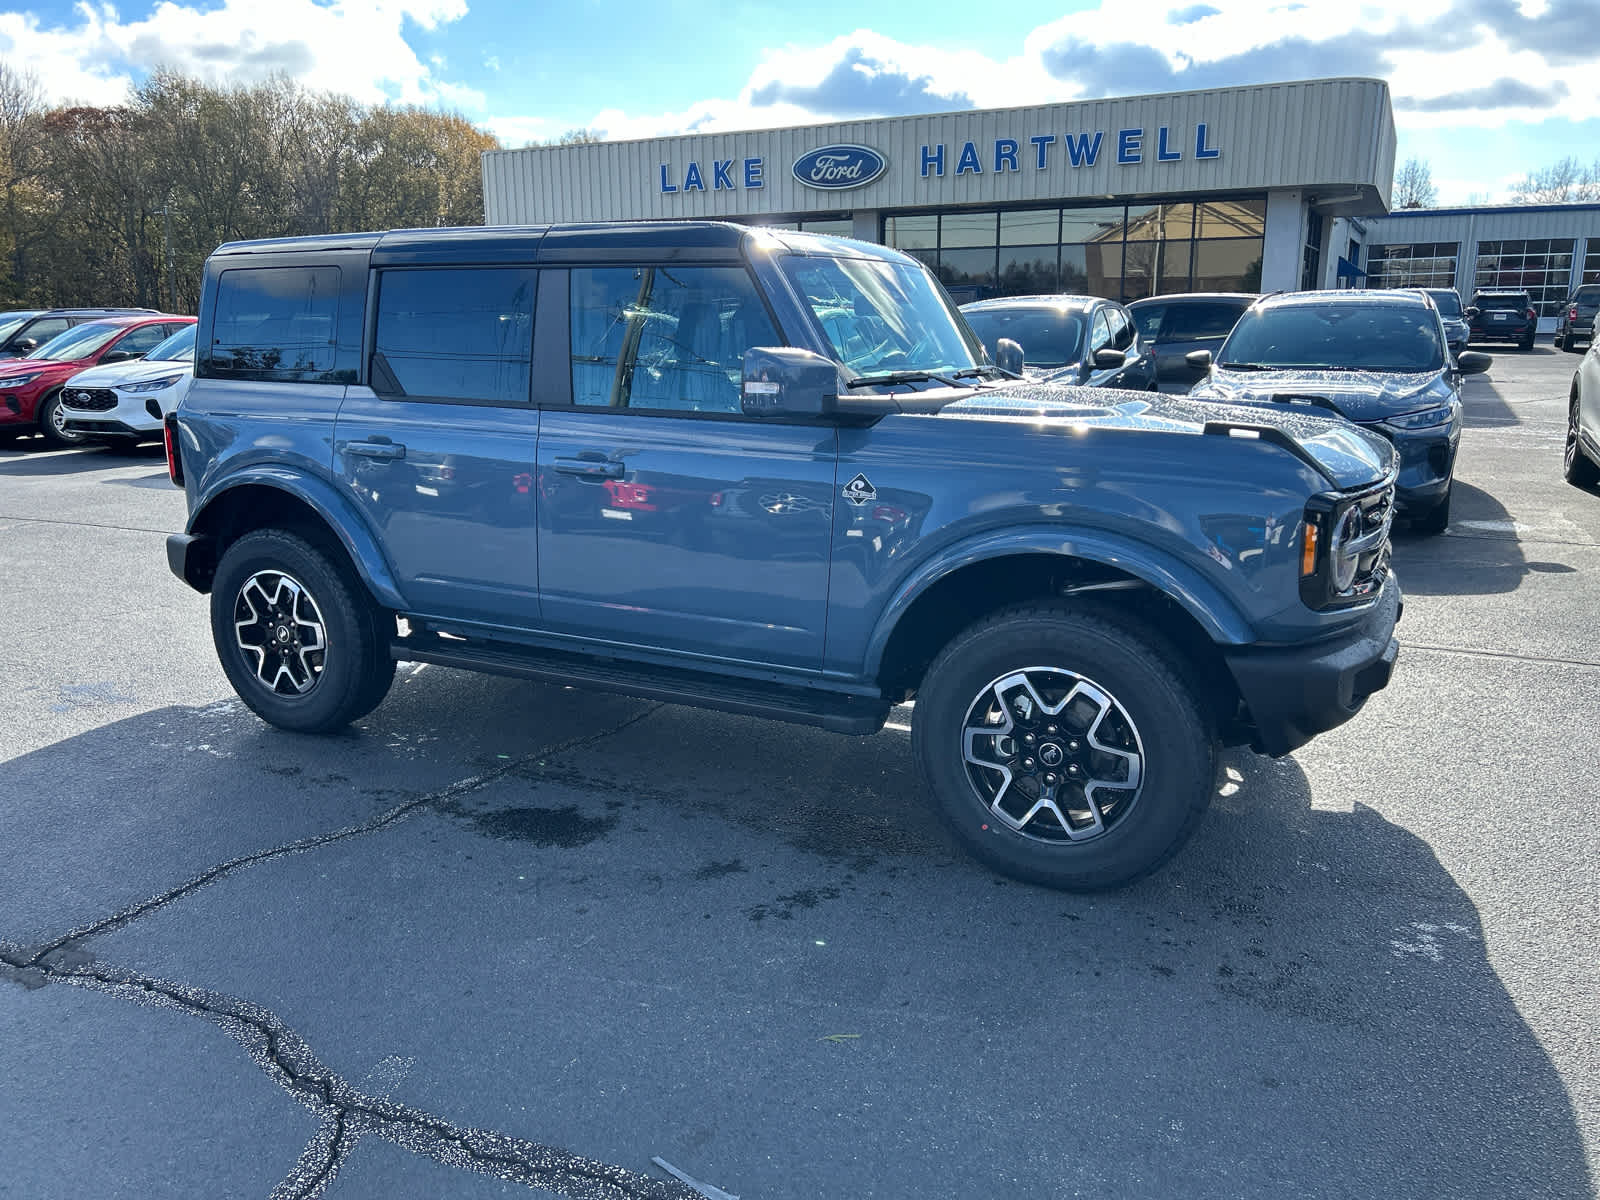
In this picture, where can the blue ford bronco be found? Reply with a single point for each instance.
(774, 474)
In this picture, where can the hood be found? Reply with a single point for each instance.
(27, 366)
(137, 371)
(1348, 457)
(1355, 395)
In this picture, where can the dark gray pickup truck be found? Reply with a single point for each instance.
(775, 474)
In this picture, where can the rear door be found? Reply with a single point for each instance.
(667, 518)
(438, 450)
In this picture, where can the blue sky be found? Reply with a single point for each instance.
(1482, 88)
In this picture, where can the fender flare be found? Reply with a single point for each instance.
(1210, 607)
(337, 513)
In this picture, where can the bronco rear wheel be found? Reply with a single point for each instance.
(297, 637)
(1062, 746)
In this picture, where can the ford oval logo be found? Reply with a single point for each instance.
(837, 167)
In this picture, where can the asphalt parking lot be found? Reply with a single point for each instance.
(500, 938)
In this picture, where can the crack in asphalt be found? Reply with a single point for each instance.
(1537, 659)
(399, 812)
(347, 1114)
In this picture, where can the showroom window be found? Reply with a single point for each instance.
(1542, 267)
(1413, 265)
(1591, 261)
(1117, 251)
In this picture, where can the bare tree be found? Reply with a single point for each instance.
(1413, 185)
(1564, 182)
(579, 137)
(22, 157)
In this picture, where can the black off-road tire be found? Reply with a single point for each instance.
(58, 439)
(1577, 468)
(353, 674)
(1145, 676)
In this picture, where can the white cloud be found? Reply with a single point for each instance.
(519, 131)
(349, 46)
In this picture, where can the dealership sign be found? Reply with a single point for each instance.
(837, 168)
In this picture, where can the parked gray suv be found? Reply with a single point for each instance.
(773, 474)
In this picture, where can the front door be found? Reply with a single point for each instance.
(439, 452)
(667, 518)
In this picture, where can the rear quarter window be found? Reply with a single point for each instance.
(275, 323)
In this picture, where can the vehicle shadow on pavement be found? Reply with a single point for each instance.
(46, 461)
(1479, 555)
(1484, 404)
(758, 955)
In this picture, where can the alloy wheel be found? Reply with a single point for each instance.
(1052, 755)
(280, 630)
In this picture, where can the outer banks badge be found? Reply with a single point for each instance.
(860, 490)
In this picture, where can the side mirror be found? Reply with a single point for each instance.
(1471, 313)
(1471, 362)
(115, 356)
(782, 381)
(1008, 356)
(25, 344)
(1198, 360)
(1109, 360)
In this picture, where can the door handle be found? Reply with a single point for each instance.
(589, 468)
(387, 450)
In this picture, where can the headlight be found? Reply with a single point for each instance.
(150, 385)
(1342, 561)
(12, 381)
(1425, 419)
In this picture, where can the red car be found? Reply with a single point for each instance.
(30, 387)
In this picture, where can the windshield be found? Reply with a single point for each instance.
(1049, 337)
(882, 317)
(82, 341)
(1336, 337)
(177, 348)
(1448, 303)
(10, 325)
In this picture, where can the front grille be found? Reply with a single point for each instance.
(1377, 519)
(89, 399)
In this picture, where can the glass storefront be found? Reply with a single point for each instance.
(1119, 251)
(1542, 267)
(1413, 265)
(1591, 261)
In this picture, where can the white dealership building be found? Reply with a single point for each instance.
(1265, 188)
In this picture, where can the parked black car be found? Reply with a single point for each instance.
(23, 332)
(1067, 339)
(1503, 317)
(1575, 321)
(1457, 329)
(1174, 325)
(1376, 358)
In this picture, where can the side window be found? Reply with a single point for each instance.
(455, 334)
(664, 338)
(1121, 329)
(1099, 332)
(141, 340)
(1149, 321)
(46, 328)
(275, 323)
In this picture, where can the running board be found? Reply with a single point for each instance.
(832, 711)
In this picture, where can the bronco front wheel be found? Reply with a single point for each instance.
(1064, 747)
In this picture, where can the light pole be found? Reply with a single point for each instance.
(166, 244)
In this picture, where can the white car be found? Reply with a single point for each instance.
(127, 401)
